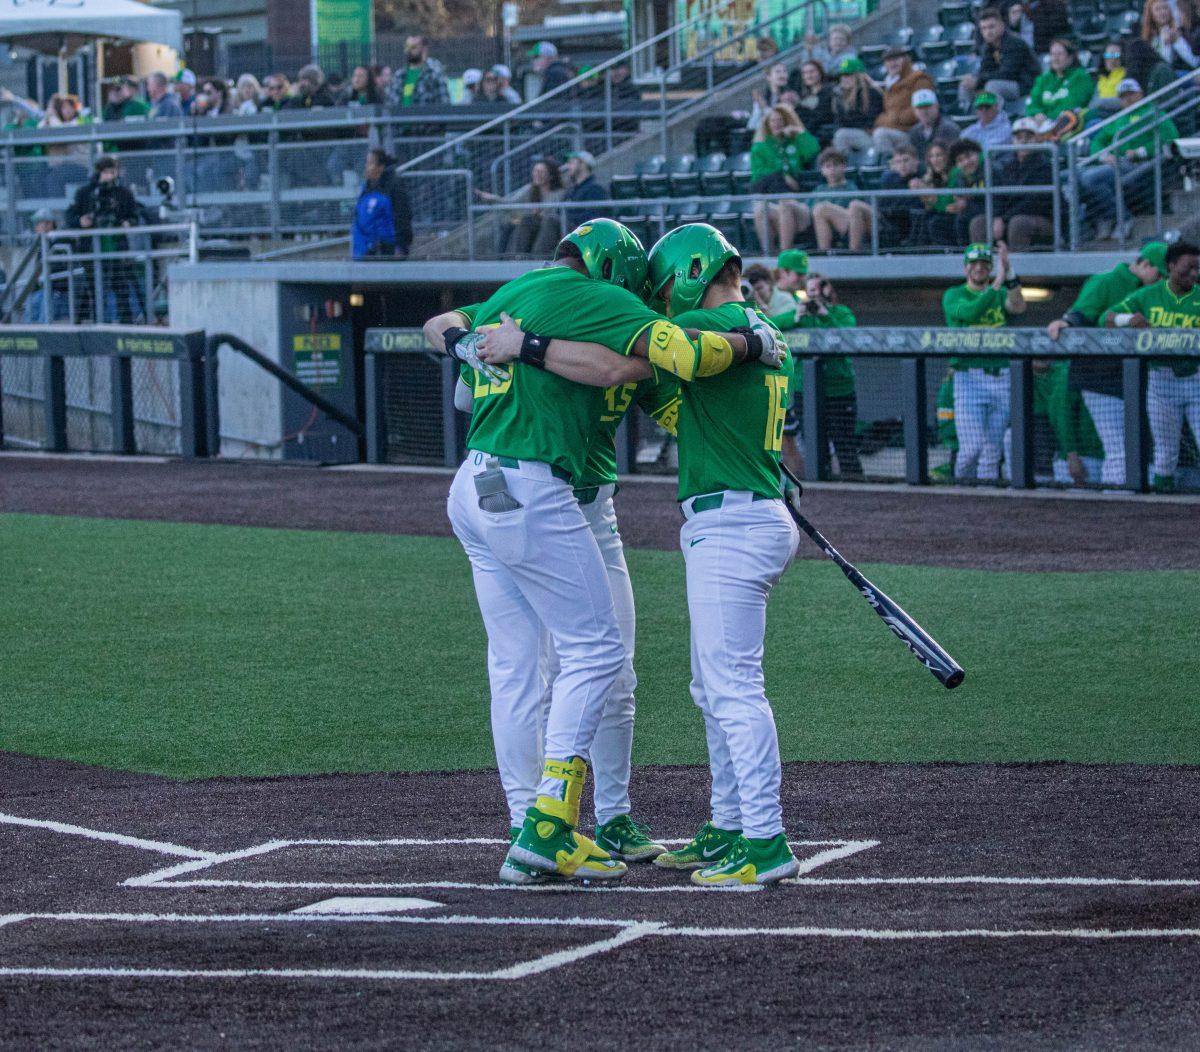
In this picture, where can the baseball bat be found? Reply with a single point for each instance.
(923, 646)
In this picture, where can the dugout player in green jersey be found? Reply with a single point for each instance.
(1173, 386)
(534, 560)
(1098, 380)
(981, 385)
(737, 540)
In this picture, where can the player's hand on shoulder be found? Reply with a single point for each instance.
(503, 343)
(466, 349)
(773, 347)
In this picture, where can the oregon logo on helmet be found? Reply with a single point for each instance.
(693, 255)
(610, 252)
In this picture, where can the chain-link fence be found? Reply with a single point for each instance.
(23, 387)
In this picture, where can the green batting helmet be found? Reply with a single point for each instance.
(693, 255)
(611, 252)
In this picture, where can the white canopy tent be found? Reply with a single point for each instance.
(62, 28)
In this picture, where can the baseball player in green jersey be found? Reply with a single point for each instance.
(1173, 386)
(737, 540)
(534, 559)
(981, 385)
(1099, 379)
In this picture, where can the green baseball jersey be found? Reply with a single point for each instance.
(966, 309)
(839, 371)
(731, 425)
(1164, 310)
(1102, 291)
(1074, 431)
(658, 396)
(535, 415)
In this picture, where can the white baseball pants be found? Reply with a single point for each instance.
(612, 748)
(734, 555)
(1108, 414)
(981, 413)
(1168, 398)
(538, 565)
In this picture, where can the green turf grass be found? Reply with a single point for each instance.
(208, 650)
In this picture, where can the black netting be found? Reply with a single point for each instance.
(412, 408)
(89, 404)
(156, 426)
(23, 385)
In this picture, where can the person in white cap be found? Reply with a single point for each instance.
(471, 79)
(547, 64)
(504, 86)
(931, 126)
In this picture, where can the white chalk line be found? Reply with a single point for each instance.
(598, 888)
(322, 918)
(901, 934)
(1073, 882)
(155, 879)
(160, 846)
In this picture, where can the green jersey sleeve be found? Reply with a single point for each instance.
(470, 312)
(1101, 291)
(658, 398)
(966, 309)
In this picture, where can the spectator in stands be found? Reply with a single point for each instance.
(1112, 71)
(213, 100)
(935, 224)
(896, 213)
(836, 47)
(584, 187)
(900, 84)
(1007, 65)
(504, 86)
(814, 99)
(185, 88)
(1066, 87)
(423, 82)
(489, 91)
(771, 299)
(1124, 161)
(766, 48)
(533, 232)
(248, 95)
(382, 216)
(857, 104)
(966, 173)
(163, 103)
(311, 90)
(835, 209)
(1143, 64)
(1018, 22)
(782, 149)
(66, 163)
(46, 222)
(361, 89)
(1020, 220)
(276, 92)
(991, 127)
(768, 96)
(549, 66)
(471, 80)
(124, 101)
(931, 126)
(103, 203)
(1050, 19)
(1163, 30)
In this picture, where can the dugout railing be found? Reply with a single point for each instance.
(916, 361)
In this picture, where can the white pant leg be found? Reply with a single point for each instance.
(546, 551)
(996, 401)
(969, 420)
(1190, 389)
(1108, 416)
(515, 682)
(734, 555)
(1164, 409)
(612, 748)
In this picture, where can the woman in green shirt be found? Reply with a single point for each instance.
(1066, 85)
(782, 149)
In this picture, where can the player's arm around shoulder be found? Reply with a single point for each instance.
(435, 328)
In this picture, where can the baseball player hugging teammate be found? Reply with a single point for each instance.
(737, 540)
(535, 561)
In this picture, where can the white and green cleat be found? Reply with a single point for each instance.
(513, 872)
(709, 847)
(628, 840)
(551, 846)
(751, 862)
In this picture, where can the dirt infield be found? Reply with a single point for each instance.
(1042, 906)
(933, 528)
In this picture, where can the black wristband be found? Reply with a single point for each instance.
(754, 343)
(533, 350)
(1013, 283)
(1075, 320)
(452, 336)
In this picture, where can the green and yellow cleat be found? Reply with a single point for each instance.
(551, 846)
(710, 846)
(751, 862)
(626, 839)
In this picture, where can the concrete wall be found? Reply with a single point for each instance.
(251, 410)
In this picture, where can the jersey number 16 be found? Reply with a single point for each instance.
(777, 404)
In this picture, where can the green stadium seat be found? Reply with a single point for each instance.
(640, 225)
(684, 184)
(954, 14)
(654, 185)
(624, 187)
(711, 162)
(741, 183)
(964, 39)
(681, 164)
(716, 184)
(651, 166)
(936, 51)
(738, 162)
(727, 218)
(872, 54)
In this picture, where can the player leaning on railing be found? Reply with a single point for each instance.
(533, 556)
(737, 540)
(1173, 387)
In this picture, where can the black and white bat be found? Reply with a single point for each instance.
(924, 647)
